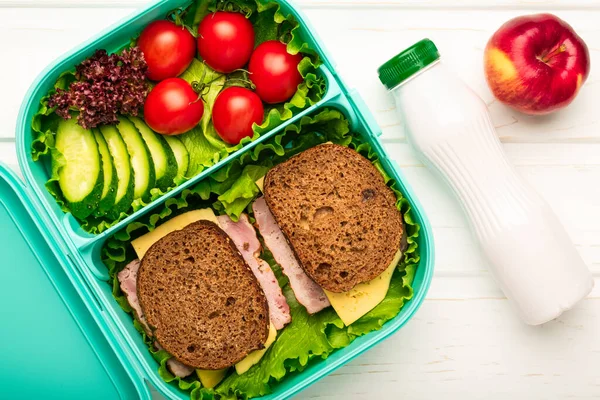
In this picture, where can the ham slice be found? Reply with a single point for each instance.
(176, 367)
(244, 237)
(128, 282)
(307, 292)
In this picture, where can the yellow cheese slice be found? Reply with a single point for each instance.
(211, 378)
(261, 184)
(143, 243)
(256, 355)
(355, 303)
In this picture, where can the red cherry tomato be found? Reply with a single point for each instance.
(274, 72)
(225, 40)
(172, 107)
(234, 112)
(168, 49)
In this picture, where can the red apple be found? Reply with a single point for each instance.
(536, 63)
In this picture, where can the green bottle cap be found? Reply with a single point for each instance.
(407, 63)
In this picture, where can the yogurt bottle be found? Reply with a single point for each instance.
(531, 256)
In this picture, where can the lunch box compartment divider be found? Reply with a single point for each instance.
(83, 250)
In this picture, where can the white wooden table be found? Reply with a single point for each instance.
(465, 342)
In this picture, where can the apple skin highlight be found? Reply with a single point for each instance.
(536, 63)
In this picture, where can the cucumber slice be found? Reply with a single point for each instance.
(165, 165)
(141, 160)
(80, 175)
(181, 154)
(124, 173)
(109, 191)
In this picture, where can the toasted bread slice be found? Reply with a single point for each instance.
(337, 213)
(201, 299)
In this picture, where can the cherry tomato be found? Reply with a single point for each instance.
(234, 112)
(168, 49)
(172, 107)
(274, 72)
(225, 40)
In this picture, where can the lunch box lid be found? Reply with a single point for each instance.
(52, 345)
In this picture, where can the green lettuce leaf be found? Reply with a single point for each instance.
(45, 121)
(243, 190)
(231, 190)
(199, 72)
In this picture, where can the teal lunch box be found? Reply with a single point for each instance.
(64, 336)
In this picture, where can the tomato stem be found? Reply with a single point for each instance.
(245, 71)
(178, 15)
(232, 6)
(245, 83)
(201, 87)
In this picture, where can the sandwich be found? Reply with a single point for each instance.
(332, 225)
(200, 291)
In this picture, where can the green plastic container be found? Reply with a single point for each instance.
(64, 335)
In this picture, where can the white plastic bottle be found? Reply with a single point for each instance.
(532, 257)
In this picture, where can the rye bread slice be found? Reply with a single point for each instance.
(337, 213)
(201, 299)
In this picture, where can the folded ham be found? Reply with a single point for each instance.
(244, 237)
(176, 367)
(128, 282)
(307, 292)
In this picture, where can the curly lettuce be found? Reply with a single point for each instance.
(230, 191)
